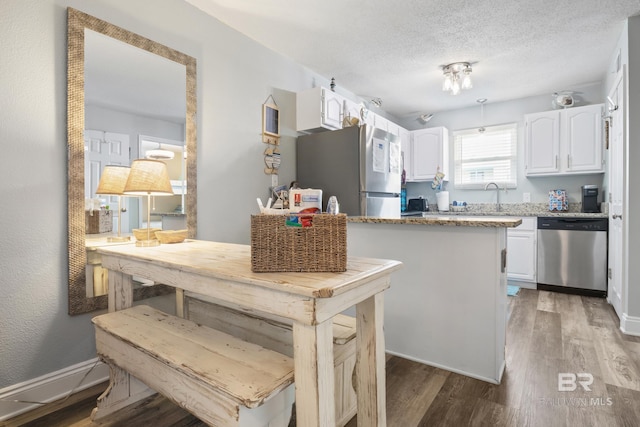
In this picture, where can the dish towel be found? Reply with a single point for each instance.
(512, 291)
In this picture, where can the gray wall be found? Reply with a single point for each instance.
(235, 76)
(633, 159)
(501, 113)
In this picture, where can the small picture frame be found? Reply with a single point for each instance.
(270, 120)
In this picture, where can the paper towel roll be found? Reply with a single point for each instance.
(442, 198)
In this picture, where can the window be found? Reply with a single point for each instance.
(484, 157)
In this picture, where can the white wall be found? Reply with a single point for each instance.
(235, 76)
(501, 113)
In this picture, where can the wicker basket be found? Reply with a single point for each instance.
(144, 234)
(98, 221)
(171, 236)
(278, 247)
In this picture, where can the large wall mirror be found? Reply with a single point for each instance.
(127, 96)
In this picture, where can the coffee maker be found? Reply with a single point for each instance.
(590, 199)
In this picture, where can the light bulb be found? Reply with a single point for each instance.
(447, 82)
(455, 87)
(466, 81)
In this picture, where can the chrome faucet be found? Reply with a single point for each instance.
(497, 194)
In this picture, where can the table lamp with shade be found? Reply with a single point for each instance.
(112, 183)
(148, 178)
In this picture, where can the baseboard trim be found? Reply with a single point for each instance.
(630, 325)
(450, 369)
(50, 387)
(522, 284)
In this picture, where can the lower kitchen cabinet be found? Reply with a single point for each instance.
(522, 253)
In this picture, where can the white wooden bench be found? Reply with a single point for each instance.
(274, 333)
(213, 375)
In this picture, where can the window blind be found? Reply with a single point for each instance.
(484, 157)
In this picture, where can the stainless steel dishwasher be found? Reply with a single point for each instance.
(572, 255)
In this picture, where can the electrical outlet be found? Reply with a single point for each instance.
(274, 180)
(526, 197)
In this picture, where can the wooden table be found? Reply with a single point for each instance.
(310, 300)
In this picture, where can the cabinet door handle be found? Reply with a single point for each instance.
(568, 161)
(556, 161)
(616, 216)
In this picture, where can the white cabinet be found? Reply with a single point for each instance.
(380, 122)
(352, 109)
(393, 128)
(582, 128)
(319, 108)
(565, 141)
(405, 144)
(522, 251)
(542, 143)
(425, 152)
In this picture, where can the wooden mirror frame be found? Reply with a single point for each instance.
(77, 22)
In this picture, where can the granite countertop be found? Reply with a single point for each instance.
(449, 220)
(518, 209)
(519, 214)
(485, 215)
(168, 213)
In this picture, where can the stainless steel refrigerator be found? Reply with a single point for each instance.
(360, 166)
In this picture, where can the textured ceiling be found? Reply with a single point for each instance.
(394, 50)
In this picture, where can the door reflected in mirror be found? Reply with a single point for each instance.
(128, 98)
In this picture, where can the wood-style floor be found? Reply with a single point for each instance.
(547, 334)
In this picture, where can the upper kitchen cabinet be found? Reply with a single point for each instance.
(393, 128)
(352, 110)
(380, 122)
(319, 108)
(425, 151)
(564, 142)
(583, 129)
(405, 144)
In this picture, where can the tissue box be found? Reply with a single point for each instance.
(558, 201)
(300, 199)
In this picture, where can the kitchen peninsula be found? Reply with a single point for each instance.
(448, 305)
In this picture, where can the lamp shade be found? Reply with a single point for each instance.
(113, 180)
(148, 177)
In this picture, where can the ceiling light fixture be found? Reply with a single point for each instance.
(457, 76)
(425, 117)
(371, 100)
(377, 102)
(159, 154)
